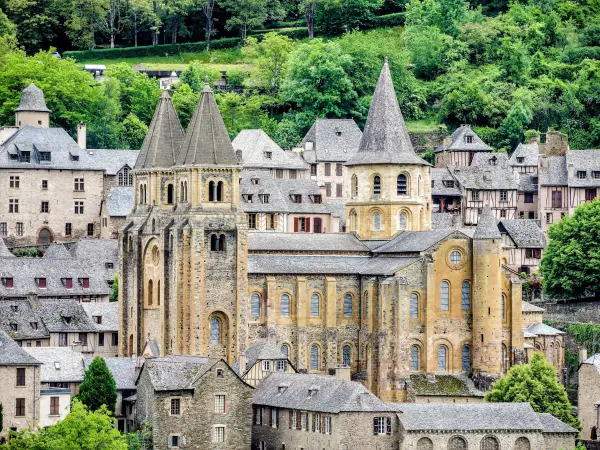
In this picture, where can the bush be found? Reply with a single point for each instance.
(576, 55)
(236, 77)
(388, 20)
(591, 35)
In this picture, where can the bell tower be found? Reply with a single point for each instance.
(32, 109)
(390, 185)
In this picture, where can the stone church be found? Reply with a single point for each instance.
(391, 298)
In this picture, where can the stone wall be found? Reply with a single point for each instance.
(506, 440)
(588, 393)
(587, 311)
(10, 392)
(423, 142)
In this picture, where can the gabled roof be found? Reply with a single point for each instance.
(57, 251)
(261, 349)
(413, 241)
(64, 315)
(593, 360)
(587, 161)
(122, 370)
(556, 172)
(329, 394)
(459, 141)
(164, 138)
(484, 174)
(333, 140)
(529, 152)
(11, 354)
(525, 233)
(305, 242)
(28, 322)
(260, 151)
(4, 251)
(206, 141)
(119, 201)
(541, 329)
(487, 227)
(108, 313)
(32, 99)
(176, 372)
(551, 424)
(385, 139)
(112, 161)
(59, 364)
(443, 183)
(527, 307)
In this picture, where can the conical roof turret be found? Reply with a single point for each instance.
(487, 227)
(207, 141)
(385, 139)
(32, 99)
(164, 138)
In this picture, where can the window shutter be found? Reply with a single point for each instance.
(290, 419)
(389, 426)
(226, 404)
(298, 421)
(270, 417)
(331, 425)
(254, 416)
(212, 404)
(375, 426)
(295, 224)
(308, 224)
(313, 422)
(323, 424)
(277, 416)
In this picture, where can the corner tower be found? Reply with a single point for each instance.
(32, 109)
(390, 185)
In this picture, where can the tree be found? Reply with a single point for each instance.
(112, 23)
(208, 6)
(196, 74)
(309, 7)
(184, 100)
(98, 387)
(141, 12)
(270, 56)
(245, 15)
(175, 11)
(35, 21)
(536, 383)
(80, 430)
(342, 16)
(7, 28)
(83, 21)
(134, 132)
(114, 289)
(570, 262)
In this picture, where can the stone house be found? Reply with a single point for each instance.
(460, 148)
(319, 411)
(588, 394)
(260, 360)
(194, 402)
(523, 241)
(488, 426)
(525, 159)
(327, 146)
(116, 206)
(20, 388)
(105, 317)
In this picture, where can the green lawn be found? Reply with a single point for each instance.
(423, 126)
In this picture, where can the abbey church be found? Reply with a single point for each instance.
(390, 298)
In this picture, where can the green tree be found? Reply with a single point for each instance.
(114, 289)
(83, 22)
(270, 56)
(514, 124)
(134, 132)
(7, 28)
(185, 100)
(240, 112)
(173, 12)
(36, 21)
(246, 15)
(570, 262)
(340, 16)
(536, 383)
(98, 387)
(195, 76)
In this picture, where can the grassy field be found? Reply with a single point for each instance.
(422, 126)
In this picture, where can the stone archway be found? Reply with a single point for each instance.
(45, 236)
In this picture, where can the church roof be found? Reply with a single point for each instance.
(163, 140)
(32, 99)
(206, 141)
(385, 139)
(541, 329)
(487, 228)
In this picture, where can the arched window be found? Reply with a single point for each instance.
(346, 355)
(150, 292)
(185, 196)
(503, 306)
(215, 330)
(255, 305)
(158, 293)
(314, 305)
(366, 304)
(503, 356)
(285, 305)
(402, 221)
(129, 176)
(222, 243)
(214, 243)
(353, 221)
(348, 305)
(466, 358)
(212, 193)
(442, 358)
(490, 443)
(220, 191)
(181, 192)
(550, 353)
(376, 185)
(401, 184)
(457, 443)
(522, 444)
(466, 296)
(121, 182)
(354, 188)
(141, 198)
(170, 194)
(285, 350)
(376, 222)
(414, 306)
(414, 358)
(419, 185)
(445, 296)
(314, 358)
(424, 444)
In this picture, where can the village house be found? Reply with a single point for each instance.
(523, 242)
(525, 160)
(260, 360)
(460, 148)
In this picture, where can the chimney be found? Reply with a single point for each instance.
(342, 372)
(33, 300)
(582, 354)
(516, 174)
(363, 399)
(243, 362)
(82, 136)
(544, 161)
(571, 170)
(535, 139)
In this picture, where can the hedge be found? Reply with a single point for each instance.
(388, 20)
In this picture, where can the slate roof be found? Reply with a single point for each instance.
(551, 424)
(122, 370)
(525, 233)
(305, 242)
(32, 99)
(176, 372)
(526, 182)
(5, 252)
(487, 227)
(440, 221)
(447, 417)
(413, 241)
(112, 161)
(541, 329)
(21, 314)
(333, 140)
(486, 176)
(57, 250)
(584, 160)
(458, 141)
(69, 369)
(330, 394)
(254, 144)
(457, 385)
(11, 354)
(556, 172)
(119, 201)
(164, 138)
(438, 177)
(108, 311)
(64, 315)
(385, 139)
(527, 307)
(260, 350)
(529, 152)
(206, 141)
(593, 360)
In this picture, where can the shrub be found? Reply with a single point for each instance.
(388, 20)
(576, 55)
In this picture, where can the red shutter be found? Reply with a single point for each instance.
(9, 283)
(226, 404)
(86, 283)
(295, 224)
(298, 421)
(69, 283)
(291, 418)
(308, 224)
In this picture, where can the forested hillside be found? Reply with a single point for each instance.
(504, 67)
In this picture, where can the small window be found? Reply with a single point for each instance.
(14, 326)
(252, 221)
(376, 185)
(414, 358)
(596, 174)
(68, 229)
(442, 355)
(401, 188)
(268, 155)
(475, 195)
(79, 184)
(219, 434)
(33, 325)
(20, 376)
(382, 426)
(54, 406)
(549, 218)
(376, 222)
(20, 228)
(520, 159)
(220, 373)
(13, 205)
(264, 198)
(455, 257)
(503, 196)
(90, 229)
(314, 358)
(3, 228)
(14, 182)
(219, 404)
(346, 355)
(175, 406)
(339, 190)
(469, 139)
(414, 306)
(8, 282)
(255, 305)
(466, 296)
(296, 198)
(327, 169)
(503, 214)
(215, 330)
(466, 358)
(101, 339)
(279, 173)
(590, 194)
(581, 174)
(313, 170)
(45, 156)
(338, 169)
(528, 197)
(285, 305)
(285, 350)
(78, 206)
(314, 305)
(282, 365)
(174, 441)
(20, 407)
(444, 296)
(348, 305)
(42, 283)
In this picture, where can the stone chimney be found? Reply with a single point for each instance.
(243, 362)
(363, 399)
(582, 354)
(33, 300)
(535, 139)
(556, 144)
(543, 161)
(342, 372)
(82, 136)
(571, 171)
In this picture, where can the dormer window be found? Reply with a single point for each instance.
(282, 365)
(13, 326)
(74, 157)
(317, 198)
(296, 198)
(41, 282)
(520, 159)
(14, 308)
(581, 174)
(534, 180)
(34, 325)
(269, 155)
(493, 160)
(247, 198)
(8, 283)
(338, 133)
(109, 265)
(25, 157)
(282, 388)
(68, 282)
(266, 366)
(97, 319)
(254, 180)
(449, 183)
(469, 138)
(85, 282)
(56, 365)
(66, 319)
(45, 156)
(312, 391)
(264, 198)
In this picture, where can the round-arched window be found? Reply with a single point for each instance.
(414, 358)
(402, 221)
(376, 221)
(490, 443)
(442, 358)
(285, 350)
(466, 358)
(314, 357)
(155, 255)
(522, 444)
(348, 305)
(255, 305)
(457, 443)
(455, 257)
(346, 355)
(414, 306)
(424, 444)
(215, 330)
(285, 305)
(314, 305)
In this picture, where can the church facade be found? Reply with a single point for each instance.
(390, 298)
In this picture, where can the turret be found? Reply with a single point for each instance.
(32, 110)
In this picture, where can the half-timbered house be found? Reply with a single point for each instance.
(262, 358)
(460, 148)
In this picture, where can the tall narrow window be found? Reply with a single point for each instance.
(466, 296)
(348, 305)
(255, 305)
(414, 358)
(158, 293)
(314, 358)
(376, 185)
(503, 306)
(354, 186)
(150, 292)
(211, 191)
(414, 306)
(466, 358)
(215, 330)
(285, 350)
(170, 194)
(219, 191)
(401, 184)
(442, 354)
(346, 354)
(366, 304)
(314, 305)
(285, 305)
(444, 296)
(376, 222)
(402, 221)
(550, 353)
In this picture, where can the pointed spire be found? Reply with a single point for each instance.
(487, 227)
(163, 140)
(207, 141)
(385, 139)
